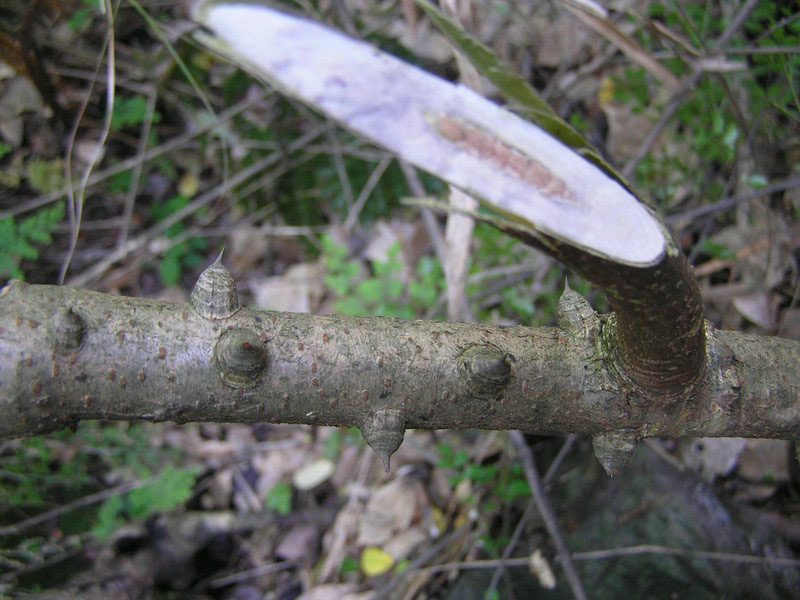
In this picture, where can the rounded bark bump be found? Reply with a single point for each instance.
(614, 449)
(214, 295)
(488, 369)
(384, 431)
(70, 329)
(240, 357)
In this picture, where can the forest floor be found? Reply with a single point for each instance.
(185, 155)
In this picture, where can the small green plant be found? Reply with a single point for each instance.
(19, 240)
(279, 499)
(383, 293)
(495, 488)
(170, 489)
(505, 484)
(184, 255)
(130, 111)
(80, 19)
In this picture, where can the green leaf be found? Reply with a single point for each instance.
(527, 101)
(17, 240)
(108, 518)
(370, 290)
(279, 499)
(172, 488)
(349, 565)
(170, 268)
(129, 111)
(332, 446)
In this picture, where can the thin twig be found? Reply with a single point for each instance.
(76, 197)
(100, 496)
(546, 512)
(129, 163)
(512, 543)
(253, 573)
(428, 218)
(135, 244)
(366, 191)
(611, 553)
(562, 454)
(688, 216)
(136, 172)
(509, 549)
(338, 162)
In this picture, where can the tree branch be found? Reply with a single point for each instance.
(68, 355)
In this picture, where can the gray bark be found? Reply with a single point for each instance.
(68, 355)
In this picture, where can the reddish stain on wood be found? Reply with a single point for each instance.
(490, 148)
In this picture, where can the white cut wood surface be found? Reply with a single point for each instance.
(444, 128)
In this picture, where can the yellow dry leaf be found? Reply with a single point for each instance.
(440, 520)
(605, 95)
(375, 561)
(188, 184)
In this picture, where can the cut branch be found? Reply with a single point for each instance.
(546, 193)
(68, 355)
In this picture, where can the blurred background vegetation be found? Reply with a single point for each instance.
(130, 156)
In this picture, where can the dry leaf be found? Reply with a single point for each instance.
(300, 542)
(375, 561)
(764, 461)
(403, 544)
(540, 568)
(711, 456)
(328, 592)
(300, 289)
(390, 509)
(313, 474)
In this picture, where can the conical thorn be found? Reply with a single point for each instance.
(384, 431)
(614, 450)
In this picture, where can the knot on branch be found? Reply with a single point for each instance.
(487, 368)
(240, 357)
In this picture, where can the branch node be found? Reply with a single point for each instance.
(240, 357)
(488, 369)
(70, 329)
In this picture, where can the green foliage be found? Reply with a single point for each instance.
(183, 256)
(505, 484)
(709, 124)
(717, 250)
(130, 111)
(19, 240)
(4, 149)
(43, 472)
(383, 293)
(279, 499)
(170, 489)
(80, 19)
(34, 469)
(350, 565)
(332, 446)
